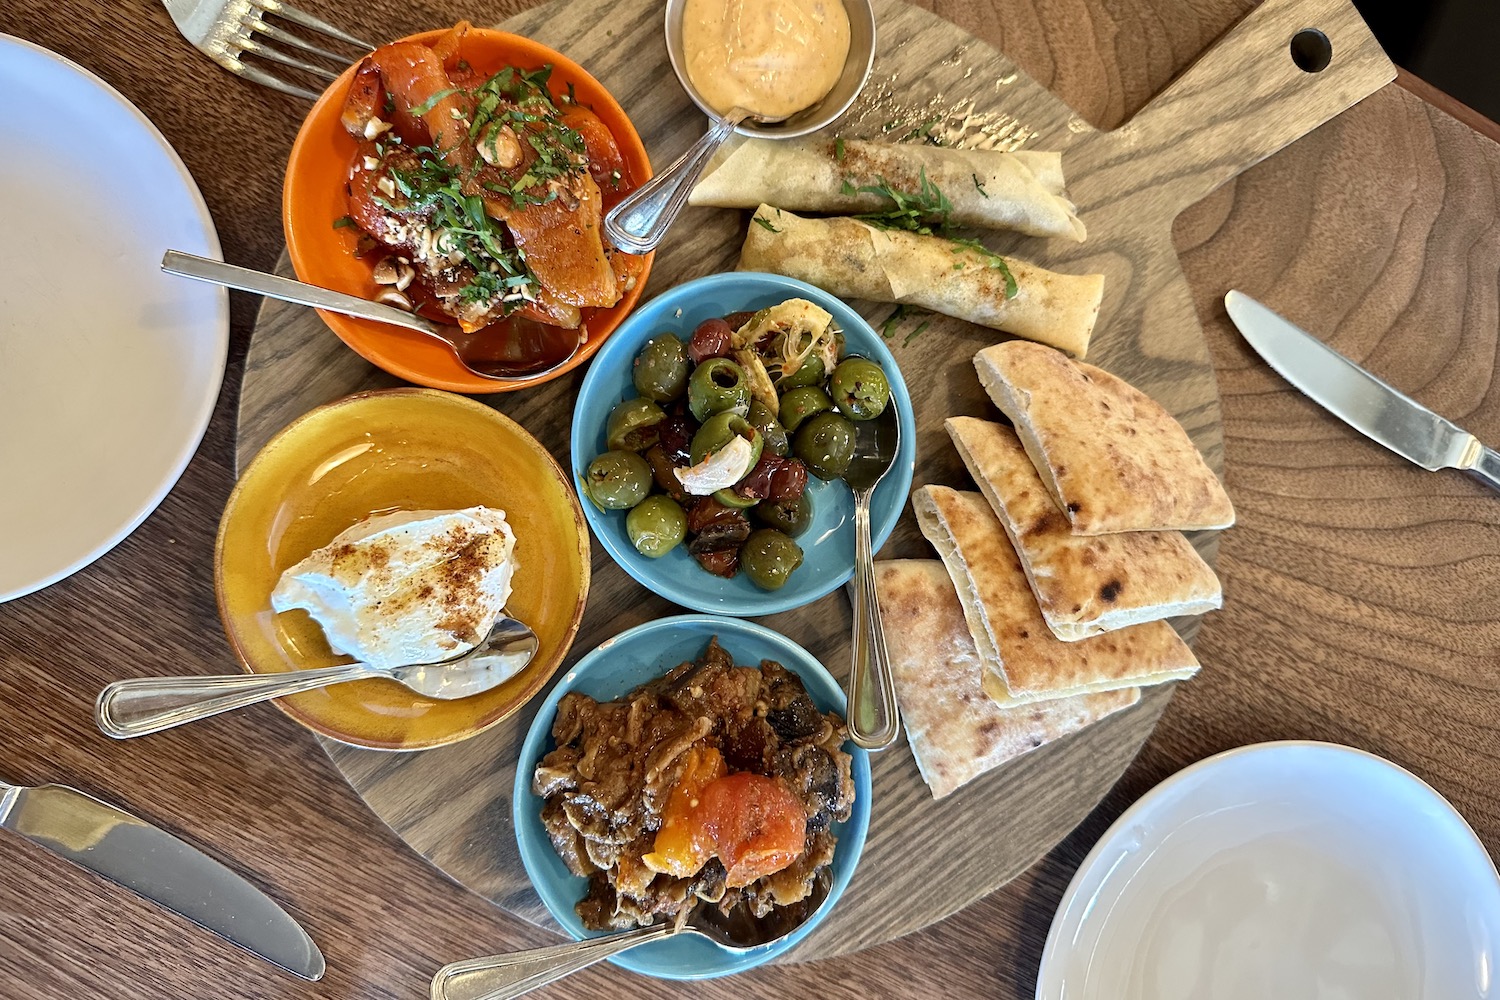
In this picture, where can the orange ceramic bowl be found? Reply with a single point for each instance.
(315, 195)
(376, 452)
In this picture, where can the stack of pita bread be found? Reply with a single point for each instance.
(1047, 608)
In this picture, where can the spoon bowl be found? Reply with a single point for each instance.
(501, 977)
(139, 706)
(525, 352)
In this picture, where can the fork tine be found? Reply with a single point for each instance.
(255, 22)
(308, 21)
(254, 47)
(267, 80)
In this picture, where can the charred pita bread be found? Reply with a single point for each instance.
(1084, 585)
(1024, 661)
(1111, 456)
(955, 730)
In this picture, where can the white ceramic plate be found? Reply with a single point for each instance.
(109, 369)
(1281, 871)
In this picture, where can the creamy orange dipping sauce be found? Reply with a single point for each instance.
(771, 57)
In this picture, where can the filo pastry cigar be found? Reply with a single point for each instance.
(855, 260)
(987, 188)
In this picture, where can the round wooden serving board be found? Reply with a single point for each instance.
(924, 859)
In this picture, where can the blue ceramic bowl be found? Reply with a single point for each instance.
(621, 664)
(828, 545)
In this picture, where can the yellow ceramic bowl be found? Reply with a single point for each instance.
(376, 452)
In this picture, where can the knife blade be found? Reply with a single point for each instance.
(1376, 409)
(158, 866)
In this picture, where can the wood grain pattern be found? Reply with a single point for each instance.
(1129, 183)
(1359, 599)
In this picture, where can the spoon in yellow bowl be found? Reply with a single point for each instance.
(139, 706)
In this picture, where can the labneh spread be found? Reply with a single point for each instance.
(407, 587)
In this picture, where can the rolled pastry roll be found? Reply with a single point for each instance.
(855, 260)
(988, 188)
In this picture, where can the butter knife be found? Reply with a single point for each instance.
(158, 866)
(1371, 406)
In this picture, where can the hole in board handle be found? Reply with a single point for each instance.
(1311, 50)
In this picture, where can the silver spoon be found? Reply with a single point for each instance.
(641, 219)
(500, 977)
(551, 347)
(874, 720)
(142, 705)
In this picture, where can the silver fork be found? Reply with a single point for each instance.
(226, 30)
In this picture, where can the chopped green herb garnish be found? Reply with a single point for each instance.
(572, 93)
(916, 333)
(764, 223)
(991, 258)
(838, 149)
(979, 185)
(434, 101)
(847, 189)
(893, 320)
(343, 223)
(911, 211)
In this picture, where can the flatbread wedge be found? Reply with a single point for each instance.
(1024, 661)
(1084, 585)
(855, 260)
(956, 732)
(1112, 457)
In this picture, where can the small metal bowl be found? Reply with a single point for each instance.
(810, 119)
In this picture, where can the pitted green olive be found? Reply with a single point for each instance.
(617, 480)
(790, 516)
(799, 404)
(718, 386)
(634, 425)
(769, 557)
(825, 443)
(661, 369)
(656, 526)
(719, 430)
(859, 389)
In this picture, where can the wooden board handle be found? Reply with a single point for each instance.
(1285, 69)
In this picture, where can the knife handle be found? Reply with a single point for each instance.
(1486, 468)
(143, 705)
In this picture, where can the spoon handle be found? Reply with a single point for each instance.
(500, 977)
(874, 721)
(638, 223)
(142, 705)
(216, 272)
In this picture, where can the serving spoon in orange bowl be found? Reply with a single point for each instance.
(545, 348)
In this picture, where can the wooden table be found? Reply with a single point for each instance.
(1361, 605)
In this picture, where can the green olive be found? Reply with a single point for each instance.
(770, 428)
(859, 389)
(790, 516)
(825, 442)
(634, 425)
(768, 558)
(719, 430)
(729, 498)
(617, 480)
(799, 404)
(656, 526)
(716, 386)
(810, 372)
(661, 369)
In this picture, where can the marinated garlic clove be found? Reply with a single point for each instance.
(391, 297)
(499, 147)
(393, 271)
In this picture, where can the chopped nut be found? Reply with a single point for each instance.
(386, 186)
(371, 163)
(499, 147)
(375, 128)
